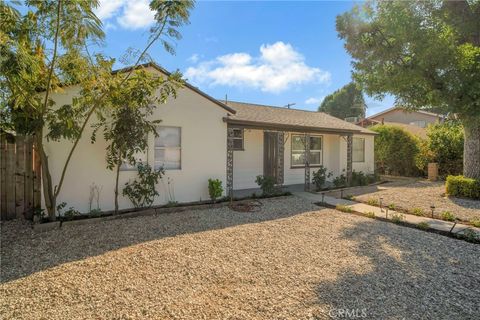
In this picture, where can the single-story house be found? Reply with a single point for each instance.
(200, 137)
(397, 114)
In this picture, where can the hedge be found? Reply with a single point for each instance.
(395, 151)
(459, 186)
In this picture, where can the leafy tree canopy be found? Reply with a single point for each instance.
(345, 102)
(426, 53)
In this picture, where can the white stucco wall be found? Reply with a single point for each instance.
(203, 155)
(249, 162)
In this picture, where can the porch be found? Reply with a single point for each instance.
(290, 157)
(289, 145)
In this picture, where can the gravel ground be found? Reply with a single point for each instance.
(422, 194)
(291, 260)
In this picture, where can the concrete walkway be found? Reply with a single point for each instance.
(387, 214)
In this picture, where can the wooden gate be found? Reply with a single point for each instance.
(20, 177)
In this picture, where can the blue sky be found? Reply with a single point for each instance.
(263, 52)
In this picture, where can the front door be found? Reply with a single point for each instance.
(270, 154)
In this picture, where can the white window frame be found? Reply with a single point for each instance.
(303, 150)
(171, 148)
(353, 150)
(242, 138)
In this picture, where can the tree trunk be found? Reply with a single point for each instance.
(48, 193)
(471, 148)
(116, 186)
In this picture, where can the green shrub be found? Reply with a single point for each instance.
(71, 213)
(370, 214)
(395, 151)
(358, 179)
(141, 192)
(373, 202)
(444, 145)
(215, 189)
(391, 206)
(341, 207)
(475, 223)
(340, 181)
(372, 178)
(459, 186)
(470, 235)
(267, 184)
(423, 225)
(447, 216)
(417, 211)
(397, 217)
(320, 177)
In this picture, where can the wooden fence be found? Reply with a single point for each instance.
(20, 177)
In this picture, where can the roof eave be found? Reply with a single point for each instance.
(297, 128)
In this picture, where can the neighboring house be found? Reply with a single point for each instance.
(201, 138)
(417, 118)
(414, 122)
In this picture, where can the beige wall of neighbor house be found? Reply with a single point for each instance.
(248, 163)
(203, 155)
(408, 117)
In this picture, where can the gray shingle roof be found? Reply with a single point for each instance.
(280, 117)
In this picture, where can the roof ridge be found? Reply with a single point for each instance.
(269, 106)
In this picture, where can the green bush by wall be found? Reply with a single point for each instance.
(395, 151)
(444, 145)
(459, 186)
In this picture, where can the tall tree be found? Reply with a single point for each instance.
(345, 102)
(47, 46)
(426, 53)
(127, 118)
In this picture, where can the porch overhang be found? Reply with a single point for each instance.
(258, 125)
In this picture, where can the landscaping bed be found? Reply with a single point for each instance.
(289, 260)
(418, 197)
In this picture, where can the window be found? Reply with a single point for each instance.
(298, 151)
(168, 148)
(358, 153)
(237, 139)
(419, 123)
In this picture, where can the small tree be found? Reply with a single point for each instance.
(320, 177)
(345, 102)
(142, 192)
(127, 126)
(444, 145)
(28, 68)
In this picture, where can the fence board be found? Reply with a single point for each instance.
(10, 180)
(20, 177)
(3, 172)
(37, 179)
(28, 178)
(19, 185)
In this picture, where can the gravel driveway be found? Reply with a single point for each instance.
(422, 194)
(291, 260)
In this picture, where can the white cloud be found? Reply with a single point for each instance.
(278, 68)
(108, 8)
(128, 14)
(313, 101)
(194, 58)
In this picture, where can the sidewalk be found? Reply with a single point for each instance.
(388, 214)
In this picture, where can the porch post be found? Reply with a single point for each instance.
(349, 157)
(230, 163)
(280, 157)
(307, 162)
